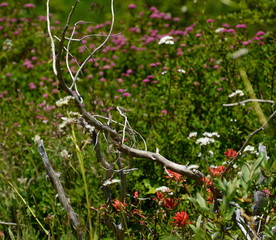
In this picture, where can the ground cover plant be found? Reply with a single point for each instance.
(153, 129)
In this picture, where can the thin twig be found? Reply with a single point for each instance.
(53, 48)
(102, 44)
(8, 223)
(91, 35)
(54, 177)
(246, 101)
(234, 160)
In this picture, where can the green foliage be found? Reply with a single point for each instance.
(166, 91)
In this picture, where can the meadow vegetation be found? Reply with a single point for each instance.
(198, 92)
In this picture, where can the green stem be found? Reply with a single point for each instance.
(81, 163)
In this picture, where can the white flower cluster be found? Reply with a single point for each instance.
(210, 135)
(192, 135)
(64, 154)
(64, 101)
(7, 45)
(66, 121)
(218, 30)
(166, 40)
(204, 141)
(236, 93)
(86, 126)
(239, 53)
(181, 71)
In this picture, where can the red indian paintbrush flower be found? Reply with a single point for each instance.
(169, 203)
(118, 205)
(180, 218)
(216, 171)
(175, 176)
(230, 153)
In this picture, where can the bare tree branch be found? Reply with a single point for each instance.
(54, 177)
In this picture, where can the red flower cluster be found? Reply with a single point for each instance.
(230, 153)
(206, 181)
(118, 205)
(160, 195)
(136, 194)
(216, 171)
(210, 198)
(169, 203)
(181, 218)
(175, 176)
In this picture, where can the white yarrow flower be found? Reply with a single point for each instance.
(218, 30)
(181, 71)
(241, 52)
(236, 93)
(204, 141)
(166, 40)
(184, 9)
(192, 135)
(64, 101)
(64, 154)
(211, 153)
(210, 135)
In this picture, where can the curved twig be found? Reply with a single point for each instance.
(234, 160)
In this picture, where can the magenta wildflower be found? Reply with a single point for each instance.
(210, 20)
(29, 5)
(226, 25)
(4, 4)
(132, 6)
(241, 26)
(164, 111)
(246, 42)
(121, 90)
(216, 67)
(32, 85)
(146, 80)
(153, 9)
(126, 94)
(260, 33)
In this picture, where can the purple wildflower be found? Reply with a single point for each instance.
(4, 4)
(29, 5)
(131, 6)
(241, 26)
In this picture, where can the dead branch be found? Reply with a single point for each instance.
(54, 177)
